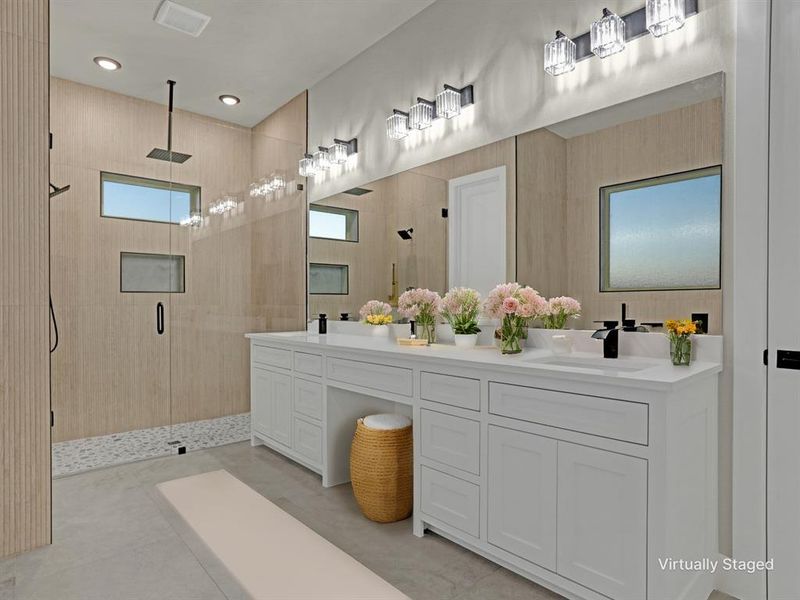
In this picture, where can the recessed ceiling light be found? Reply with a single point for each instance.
(229, 100)
(109, 64)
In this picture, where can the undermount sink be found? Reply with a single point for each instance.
(615, 365)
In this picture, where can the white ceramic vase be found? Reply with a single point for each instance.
(379, 330)
(466, 340)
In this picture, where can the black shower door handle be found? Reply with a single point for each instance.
(160, 318)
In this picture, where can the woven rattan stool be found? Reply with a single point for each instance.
(381, 467)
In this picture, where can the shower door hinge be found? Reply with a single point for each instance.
(52, 419)
(766, 357)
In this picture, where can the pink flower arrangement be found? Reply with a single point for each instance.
(421, 305)
(516, 306)
(559, 310)
(514, 300)
(376, 312)
(461, 307)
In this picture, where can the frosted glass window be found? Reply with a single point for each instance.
(333, 223)
(328, 279)
(141, 199)
(141, 272)
(662, 233)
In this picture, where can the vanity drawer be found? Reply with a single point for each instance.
(455, 391)
(308, 398)
(451, 500)
(310, 364)
(274, 357)
(308, 440)
(450, 440)
(616, 419)
(378, 377)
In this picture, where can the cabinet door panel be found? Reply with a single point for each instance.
(282, 408)
(261, 401)
(602, 520)
(522, 495)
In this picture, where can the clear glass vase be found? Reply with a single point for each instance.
(680, 351)
(427, 331)
(511, 334)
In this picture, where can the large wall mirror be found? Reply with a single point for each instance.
(619, 205)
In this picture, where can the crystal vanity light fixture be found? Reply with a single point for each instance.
(397, 125)
(448, 104)
(665, 16)
(559, 55)
(451, 100)
(223, 205)
(308, 167)
(341, 149)
(322, 161)
(608, 35)
(421, 114)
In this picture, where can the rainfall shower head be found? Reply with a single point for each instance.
(405, 234)
(169, 154)
(55, 190)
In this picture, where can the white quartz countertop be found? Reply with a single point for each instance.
(628, 371)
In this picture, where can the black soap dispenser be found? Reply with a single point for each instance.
(323, 323)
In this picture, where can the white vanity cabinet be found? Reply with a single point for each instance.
(286, 403)
(602, 520)
(271, 401)
(578, 480)
(522, 495)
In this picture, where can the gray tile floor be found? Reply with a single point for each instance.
(114, 538)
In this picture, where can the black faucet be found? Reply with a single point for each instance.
(610, 336)
(629, 325)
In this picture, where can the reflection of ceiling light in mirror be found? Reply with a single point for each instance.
(322, 161)
(559, 55)
(277, 182)
(194, 220)
(607, 35)
(338, 153)
(664, 16)
(229, 100)
(420, 116)
(223, 205)
(109, 64)
(307, 166)
(397, 125)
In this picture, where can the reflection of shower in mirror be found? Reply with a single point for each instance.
(405, 233)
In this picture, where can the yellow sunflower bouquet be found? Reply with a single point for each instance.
(679, 333)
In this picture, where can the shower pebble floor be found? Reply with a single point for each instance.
(76, 456)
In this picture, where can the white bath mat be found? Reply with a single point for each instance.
(271, 554)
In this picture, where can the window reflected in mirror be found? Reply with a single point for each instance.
(333, 223)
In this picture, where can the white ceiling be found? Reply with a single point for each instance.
(263, 51)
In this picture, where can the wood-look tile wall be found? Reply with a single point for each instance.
(112, 372)
(559, 228)
(413, 199)
(24, 272)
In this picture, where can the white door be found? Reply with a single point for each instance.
(522, 495)
(783, 379)
(477, 230)
(282, 408)
(260, 401)
(602, 521)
